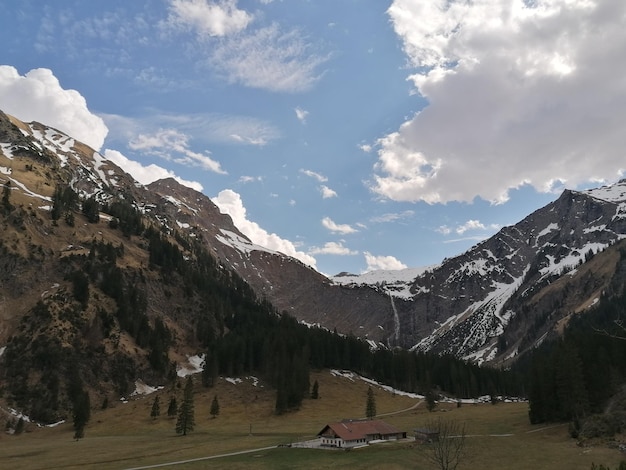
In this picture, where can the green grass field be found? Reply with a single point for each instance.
(124, 435)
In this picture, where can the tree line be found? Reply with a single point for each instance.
(575, 377)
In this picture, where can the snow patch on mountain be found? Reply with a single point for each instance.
(396, 283)
(612, 193)
(239, 243)
(7, 150)
(28, 191)
(141, 388)
(55, 141)
(193, 365)
(99, 162)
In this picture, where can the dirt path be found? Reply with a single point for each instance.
(199, 459)
(419, 402)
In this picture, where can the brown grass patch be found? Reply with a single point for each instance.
(125, 436)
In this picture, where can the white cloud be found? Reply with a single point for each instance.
(444, 230)
(382, 262)
(249, 140)
(332, 248)
(319, 177)
(230, 203)
(470, 225)
(519, 93)
(38, 96)
(327, 192)
(393, 216)
(146, 174)
(301, 114)
(269, 59)
(337, 228)
(202, 127)
(173, 145)
(208, 18)
(250, 179)
(475, 225)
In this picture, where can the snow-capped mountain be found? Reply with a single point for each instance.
(467, 303)
(502, 296)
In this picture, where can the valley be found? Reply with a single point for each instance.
(125, 436)
(105, 282)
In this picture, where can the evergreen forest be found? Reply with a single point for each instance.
(60, 351)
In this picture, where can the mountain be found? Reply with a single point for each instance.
(511, 291)
(489, 304)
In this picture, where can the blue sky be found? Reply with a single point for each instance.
(352, 134)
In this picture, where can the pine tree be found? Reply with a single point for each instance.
(209, 372)
(156, 408)
(91, 209)
(172, 409)
(315, 391)
(215, 407)
(431, 399)
(81, 414)
(186, 420)
(370, 405)
(6, 197)
(19, 427)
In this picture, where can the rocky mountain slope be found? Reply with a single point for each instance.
(502, 296)
(511, 291)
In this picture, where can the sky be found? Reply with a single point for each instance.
(352, 134)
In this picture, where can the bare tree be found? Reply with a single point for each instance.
(448, 449)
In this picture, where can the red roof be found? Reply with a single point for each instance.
(349, 430)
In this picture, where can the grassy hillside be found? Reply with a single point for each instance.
(124, 435)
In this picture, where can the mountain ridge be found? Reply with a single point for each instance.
(463, 306)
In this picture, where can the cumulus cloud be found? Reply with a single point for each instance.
(327, 192)
(173, 145)
(328, 223)
(268, 58)
(469, 226)
(301, 114)
(146, 174)
(230, 202)
(518, 93)
(38, 96)
(333, 248)
(382, 262)
(208, 18)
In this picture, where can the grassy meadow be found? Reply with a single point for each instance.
(125, 436)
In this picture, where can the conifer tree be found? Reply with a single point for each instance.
(81, 414)
(431, 399)
(215, 407)
(172, 409)
(19, 427)
(156, 408)
(6, 197)
(186, 420)
(315, 391)
(370, 405)
(91, 209)
(209, 372)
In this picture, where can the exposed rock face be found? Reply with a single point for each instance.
(489, 304)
